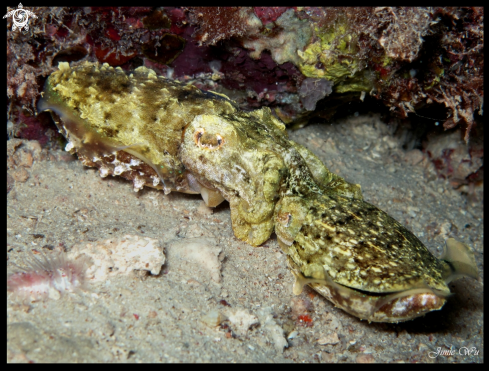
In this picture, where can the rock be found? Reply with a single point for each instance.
(213, 318)
(20, 155)
(274, 332)
(312, 90)
(34, 147)
(329, 339)
(121, 256)
(241, 320)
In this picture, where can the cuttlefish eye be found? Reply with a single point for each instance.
(284, 219)
(207, 141)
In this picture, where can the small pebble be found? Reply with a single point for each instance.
(329, 339)
(365, 358)
(213, 318)
(292, 335)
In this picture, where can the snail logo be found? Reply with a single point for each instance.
(20, 17)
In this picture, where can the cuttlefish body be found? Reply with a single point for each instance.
(171, 136)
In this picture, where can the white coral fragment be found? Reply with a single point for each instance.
(121, 256)
(241, 320)
(274, 332)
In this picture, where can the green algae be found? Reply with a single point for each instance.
(334, 57)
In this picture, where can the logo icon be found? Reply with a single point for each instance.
(20, 17)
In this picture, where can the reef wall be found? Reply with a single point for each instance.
(302, 62)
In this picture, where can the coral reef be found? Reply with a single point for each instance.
(216, 24)
(408, 59)
(313, 90)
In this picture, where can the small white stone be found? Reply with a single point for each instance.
(272, 329)
(53, 293)
(213, 318)
(241, 320)
(293, 334)
(329, 339)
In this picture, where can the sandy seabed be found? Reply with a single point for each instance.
(209, 276)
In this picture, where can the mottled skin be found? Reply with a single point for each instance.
(107, 110)
(152, 130)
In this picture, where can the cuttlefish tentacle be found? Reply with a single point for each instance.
(459, 261)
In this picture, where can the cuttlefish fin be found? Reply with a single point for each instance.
(459, 261)
(301, 281)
